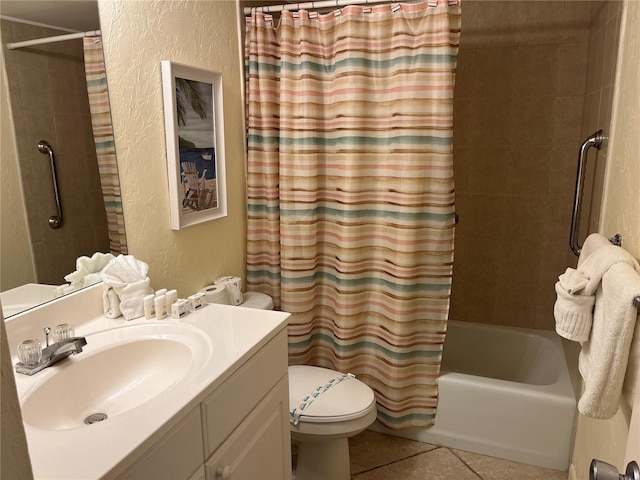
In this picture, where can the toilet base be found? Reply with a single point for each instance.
(328, 460)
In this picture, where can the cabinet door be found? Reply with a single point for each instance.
(260, 448)
(175, 456)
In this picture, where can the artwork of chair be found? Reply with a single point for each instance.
(193, 185)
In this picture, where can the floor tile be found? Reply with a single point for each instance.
(490, 468)
(372, 449)
(437, 464)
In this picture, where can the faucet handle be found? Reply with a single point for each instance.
(46, 331)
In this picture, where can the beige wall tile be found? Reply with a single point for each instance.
(540, 22)
(568, 121)
(536, 72)
(497, 23)
(519, 134)
(572, 68)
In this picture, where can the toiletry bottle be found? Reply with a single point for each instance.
(172, 296)
(149, 306)
(161, 306)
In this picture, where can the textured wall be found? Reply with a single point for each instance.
(16, 267)
(607, 439)
(138, 36)
(518, 102)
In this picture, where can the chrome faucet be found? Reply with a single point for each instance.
(52, 354)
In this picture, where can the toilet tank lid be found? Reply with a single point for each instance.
(348, 399)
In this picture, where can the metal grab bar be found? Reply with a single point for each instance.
(55, 221)
(595, 141)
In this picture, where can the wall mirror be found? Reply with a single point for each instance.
(48, 95)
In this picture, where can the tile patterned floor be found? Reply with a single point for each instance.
(375, 456)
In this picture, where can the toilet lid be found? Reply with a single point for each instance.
(346, 400)
(257, 300)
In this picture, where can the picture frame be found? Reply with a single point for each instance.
(194, 132)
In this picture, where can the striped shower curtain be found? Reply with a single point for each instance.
(350, 190)
(105, 146)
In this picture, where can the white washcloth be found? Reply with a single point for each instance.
(573, 314)
(88, 270)
(128, 278)
(603, 359)
(572, 281)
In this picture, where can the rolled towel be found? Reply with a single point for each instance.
(128, 278)
(573, 314)
(110, 303)
(132, 298)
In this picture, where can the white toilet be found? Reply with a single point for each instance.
(345, 409)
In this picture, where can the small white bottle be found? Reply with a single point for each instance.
(162, 291)
(149, 307)
(161, 306)
(172, 296)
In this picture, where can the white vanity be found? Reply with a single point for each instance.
(205, 397)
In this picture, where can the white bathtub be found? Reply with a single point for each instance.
(503, 392)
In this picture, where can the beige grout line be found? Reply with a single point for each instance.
(466, 464)
(435, 447)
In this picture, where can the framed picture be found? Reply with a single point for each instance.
(194, 128)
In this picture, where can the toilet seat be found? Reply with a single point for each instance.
(348, 400)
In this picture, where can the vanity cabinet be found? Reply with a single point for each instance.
(239, 431)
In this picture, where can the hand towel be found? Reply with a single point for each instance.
(576, 288)
(600, 261)
(88, 270)
(128, 279)
(603, 359)
(591, 244)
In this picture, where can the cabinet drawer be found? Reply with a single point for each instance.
(231, 403)
(176, 456)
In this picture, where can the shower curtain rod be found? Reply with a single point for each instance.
(311, 5)
(57, 38)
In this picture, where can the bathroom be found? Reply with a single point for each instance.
(135, 35)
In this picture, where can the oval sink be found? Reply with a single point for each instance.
(118, 371)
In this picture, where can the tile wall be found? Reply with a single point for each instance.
(49, 101)
(520, 88)
(603, 53)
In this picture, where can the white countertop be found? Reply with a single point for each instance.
(106, 449)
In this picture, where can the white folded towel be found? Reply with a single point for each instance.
(128, 279)
(576, 288)
(88, 270)
(603, 359)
